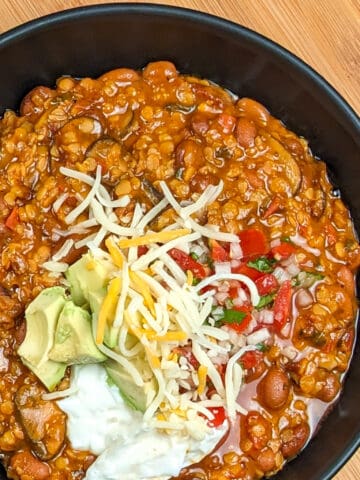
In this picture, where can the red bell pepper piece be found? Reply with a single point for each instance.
(242, 326)
(283, 251)
(266, 284)
(218, 252)
(253, 242)
(142, 249)
(248, 271)
(219, 416)
(282, 305)
(187, 263)
(13, 219)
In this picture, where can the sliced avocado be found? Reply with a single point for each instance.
(73, 340)
(136, 397)
(88, 274)
(41, 318)
(49, 373)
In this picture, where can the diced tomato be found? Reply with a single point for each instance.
(266, 284)
(251, 359)
(248, 271)
(187, 353)
(218, 252)
(13, 219)
(282, 305)
(331, 234)
(142, 249)
(187, 263)
(272, 208)
(219, 416)
(283, 251)
(241, 327)
(253, 242)
(227, 122)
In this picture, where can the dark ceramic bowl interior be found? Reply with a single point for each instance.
(91, 40)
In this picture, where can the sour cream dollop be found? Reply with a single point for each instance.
(99, 421)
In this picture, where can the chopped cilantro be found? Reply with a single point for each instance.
(265, 300)
(195, 281)
(286, 239)
(306, 279)
(262, 264)
(233, 316)
(262, 347)
(194, 256)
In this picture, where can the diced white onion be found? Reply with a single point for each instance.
(258, 336)
(222, 268)
(235, 251)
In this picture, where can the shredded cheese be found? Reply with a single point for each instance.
(153, 305)
(202, 375)
(107, 308)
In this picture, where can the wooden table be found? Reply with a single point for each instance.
(324, 33)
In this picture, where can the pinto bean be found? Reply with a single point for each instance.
(159, 72)
(120, 76)
(188, 154)
(346, 278)
(245, 132)
(273, 390)
(294, 439)
(33, 103)
(28, 467)
(253, 111)
(200, 181)
(200, 123)
(266, 460)
(330, 388)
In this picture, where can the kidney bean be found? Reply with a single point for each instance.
(273, 390)
(330, 388)
(200, 123)
(29, 467)
(245, 132)
(294, 439)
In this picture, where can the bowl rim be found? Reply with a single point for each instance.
(217, 23)
(211, 20)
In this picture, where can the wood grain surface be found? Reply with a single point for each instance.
(324, 33)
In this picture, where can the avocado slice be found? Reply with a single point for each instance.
(88, 274)
(136, 397)
(41, 318)
(73, 339)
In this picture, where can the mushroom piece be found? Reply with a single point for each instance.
(43, 421)
(151, 192)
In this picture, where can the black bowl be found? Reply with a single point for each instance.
(91, 40)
